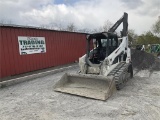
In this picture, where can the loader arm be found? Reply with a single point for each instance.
(124, 20)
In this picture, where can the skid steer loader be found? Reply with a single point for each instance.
(104, 68)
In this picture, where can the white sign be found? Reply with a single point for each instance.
(31, 45)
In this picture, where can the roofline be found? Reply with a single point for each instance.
(38, 28)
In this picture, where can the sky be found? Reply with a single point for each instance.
(84, 14)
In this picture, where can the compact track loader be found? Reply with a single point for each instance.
(104, 68)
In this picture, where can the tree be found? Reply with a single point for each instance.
(132, 36)
(84, 30)
(44, 26)
(156, 26)
(148, 38)
(107, 25)
(71, 27)
(59, 26)
(6, 21)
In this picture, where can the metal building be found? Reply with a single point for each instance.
(56, 48)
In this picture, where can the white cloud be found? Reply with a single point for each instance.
(89, 14)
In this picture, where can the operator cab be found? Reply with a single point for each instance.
(100, 45)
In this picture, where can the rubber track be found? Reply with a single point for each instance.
(119, 74)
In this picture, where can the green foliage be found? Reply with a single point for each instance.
(148, 38)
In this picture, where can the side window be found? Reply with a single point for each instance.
(104, 42)
(110, 42)
(114, 42)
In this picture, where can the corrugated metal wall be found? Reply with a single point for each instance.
(61, 47)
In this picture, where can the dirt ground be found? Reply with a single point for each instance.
(36, 100)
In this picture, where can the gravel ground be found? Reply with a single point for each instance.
(36, 100)
(143, 60)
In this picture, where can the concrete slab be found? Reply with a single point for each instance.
(33, 76)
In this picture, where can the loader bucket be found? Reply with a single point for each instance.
(91, 86)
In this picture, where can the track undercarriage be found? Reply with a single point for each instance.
(122, 72)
